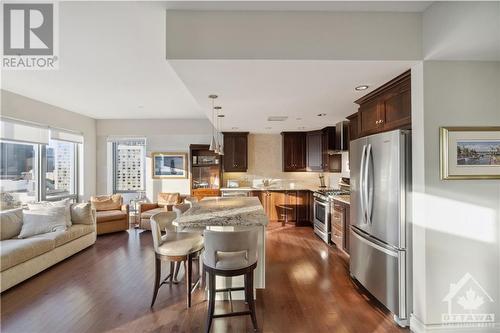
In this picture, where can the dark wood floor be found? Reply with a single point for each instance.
(108, 288)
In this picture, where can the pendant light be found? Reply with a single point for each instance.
(219, 129)
(213, 144)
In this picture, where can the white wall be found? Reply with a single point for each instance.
(293, 35)
(162, 135)
(265, 153)
(456, 30)
(24, 108)
(456, 222)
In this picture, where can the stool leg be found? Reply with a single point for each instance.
(211, 300)
(172, 265)
(189, 275)
(157, 279)
(249, 297)
(177, 266)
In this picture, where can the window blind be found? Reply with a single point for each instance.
(62, 135)
(15, 130)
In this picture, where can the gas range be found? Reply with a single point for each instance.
(327, 194)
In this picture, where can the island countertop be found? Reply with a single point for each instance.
(226, 212)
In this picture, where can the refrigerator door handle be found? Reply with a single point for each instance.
(369, 184)
(366, 211)
(361, 184)
(375, 243)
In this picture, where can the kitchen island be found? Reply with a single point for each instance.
(230, 214)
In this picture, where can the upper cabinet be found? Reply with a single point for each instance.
(294, 151)
(353, 126)
(235, 157)
(341, 142)
(386, 108)
(315, 156)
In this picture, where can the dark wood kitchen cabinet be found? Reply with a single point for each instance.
(294, 151)
(303, 202)
(316, 151)
(386, 108)
(341, 225)
(353, 126)
(235, 158)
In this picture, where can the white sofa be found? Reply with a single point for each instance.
(20, 259)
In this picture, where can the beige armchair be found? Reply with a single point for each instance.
(165, 202)
(111, 214)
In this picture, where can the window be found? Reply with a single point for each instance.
(60, 169)
(18, 174)
(37, 163)
(129, 165)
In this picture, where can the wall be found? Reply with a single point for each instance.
(293, 35)
(265, 161)
(162, 135)
(24, 108)
(456, 30)
(456, 223)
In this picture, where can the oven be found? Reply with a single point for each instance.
(322, 218)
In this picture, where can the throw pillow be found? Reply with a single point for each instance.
(82, 213)
(107, 202)
(41, 221)
(11, 222)
(66, 203)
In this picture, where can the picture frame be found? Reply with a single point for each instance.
(469, 152)
(167, 165)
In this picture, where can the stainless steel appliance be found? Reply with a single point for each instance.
(380, 216)
(322, 212)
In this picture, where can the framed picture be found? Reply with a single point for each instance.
(169, 165)
(470, 152)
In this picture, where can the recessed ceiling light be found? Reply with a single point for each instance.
(140, 106)
(298, 118)
(234, 128)
(277, 118)
(268, 128)
(321, 114)
(362, 87)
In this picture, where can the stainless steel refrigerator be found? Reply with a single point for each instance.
(380, 232)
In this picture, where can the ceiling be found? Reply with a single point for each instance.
(115, 68)
(252, 90)
(112, 65)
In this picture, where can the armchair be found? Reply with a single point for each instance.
(111, 214)
(165, 202)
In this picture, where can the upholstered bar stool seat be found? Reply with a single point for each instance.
(180, 243)
(229, 254)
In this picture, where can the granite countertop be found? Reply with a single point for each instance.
(271, 188)
(229, 211)
(344, 198)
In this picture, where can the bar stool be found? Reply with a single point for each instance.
(285, 209)
(174, 247)
(179, 209)
(190, 200)
(228, 254)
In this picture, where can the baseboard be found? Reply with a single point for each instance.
(417, 326)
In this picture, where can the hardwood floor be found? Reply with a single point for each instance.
(108, 288)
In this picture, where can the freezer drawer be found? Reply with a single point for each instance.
(380, 270)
